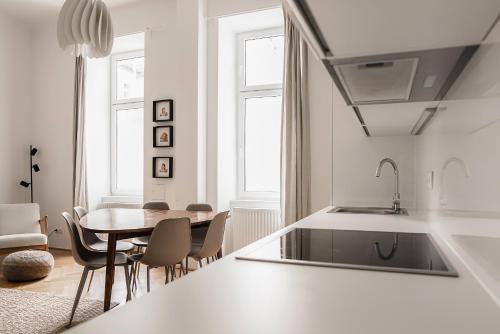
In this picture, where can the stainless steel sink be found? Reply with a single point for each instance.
(368, 210)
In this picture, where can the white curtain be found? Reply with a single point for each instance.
(295, 145)
(80, 196)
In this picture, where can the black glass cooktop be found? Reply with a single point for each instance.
(369, 250)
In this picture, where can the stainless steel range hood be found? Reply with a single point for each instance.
(414, 76)
(420, 76)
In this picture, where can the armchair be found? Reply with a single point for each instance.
(21, 228)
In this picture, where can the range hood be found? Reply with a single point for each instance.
(414, 76)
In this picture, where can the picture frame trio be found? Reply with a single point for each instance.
(163, 136)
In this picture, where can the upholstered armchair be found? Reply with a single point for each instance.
(22, 228)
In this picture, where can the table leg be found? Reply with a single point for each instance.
(110, 270)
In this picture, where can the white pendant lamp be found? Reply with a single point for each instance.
(86, 27)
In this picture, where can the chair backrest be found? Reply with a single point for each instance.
(169, 244)
(19, 218)
(215, 236)
(81, 254)
(156, 206)
(89, 238)
(199, 207)
(80, 212)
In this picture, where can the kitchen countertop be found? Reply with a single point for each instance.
(238, 296)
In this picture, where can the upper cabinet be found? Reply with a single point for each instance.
(395, 61)
(365, 27)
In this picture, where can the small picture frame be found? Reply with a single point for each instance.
(163, 167)
(163, 136)
(163, 110)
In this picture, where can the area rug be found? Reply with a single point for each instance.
(27, 312)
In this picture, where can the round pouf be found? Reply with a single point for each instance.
(27, 265)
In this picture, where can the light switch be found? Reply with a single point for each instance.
(430, 179)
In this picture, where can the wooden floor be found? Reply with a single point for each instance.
(64, 279)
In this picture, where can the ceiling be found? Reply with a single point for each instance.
(35, 10)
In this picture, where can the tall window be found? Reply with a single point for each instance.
(259, 113)
(127, 123)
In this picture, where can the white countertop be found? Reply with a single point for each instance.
(237, 296)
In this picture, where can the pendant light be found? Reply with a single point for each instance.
(86, 27)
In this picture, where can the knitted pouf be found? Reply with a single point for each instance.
(27, 265)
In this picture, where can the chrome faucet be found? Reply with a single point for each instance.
(396, 197)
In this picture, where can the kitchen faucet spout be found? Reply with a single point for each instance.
(396, 197)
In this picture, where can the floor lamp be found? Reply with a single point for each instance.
(33, 168)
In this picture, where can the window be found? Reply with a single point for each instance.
(259, 113)
(127, 123)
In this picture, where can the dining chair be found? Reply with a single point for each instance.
(93, 243)
(198, 232)
(90, 260)
(199, 207)
(156, 206)
(213, 240)
(169, 244)
(141, 242)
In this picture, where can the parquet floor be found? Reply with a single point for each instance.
(64, 279)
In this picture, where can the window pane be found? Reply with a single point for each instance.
(130, 78)
(264, 61)
(129, 150)
(262, 143)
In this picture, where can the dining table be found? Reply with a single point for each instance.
(121, 223)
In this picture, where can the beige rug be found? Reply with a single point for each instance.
(26, 312)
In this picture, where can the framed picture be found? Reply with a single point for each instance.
(163, 110)
(163, 167)
(163, 136)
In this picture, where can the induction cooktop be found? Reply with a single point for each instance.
(415, 253)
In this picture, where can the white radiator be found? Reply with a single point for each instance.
(249, 225)
(110, 205)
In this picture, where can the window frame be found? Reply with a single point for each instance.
(245, 92)
(117, 105)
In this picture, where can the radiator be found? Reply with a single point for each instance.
(110, 205)
(249, 225)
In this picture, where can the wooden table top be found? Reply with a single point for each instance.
(137, 220)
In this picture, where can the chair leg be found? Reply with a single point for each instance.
(200, 263)
(166, 274)
(149, 282)
(181, 271)
(78, 294)
(91, 278)
(127, 281)
(187, 264)
(133, 276)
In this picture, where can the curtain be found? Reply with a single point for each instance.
(295, 145)
(80, 196)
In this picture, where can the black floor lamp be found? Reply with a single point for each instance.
(33, 167)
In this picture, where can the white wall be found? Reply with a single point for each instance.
(171, 72)
(220, 8)
(320, 107)
(355, 156)
(468, 128)
(15, 109)
(52, 77)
